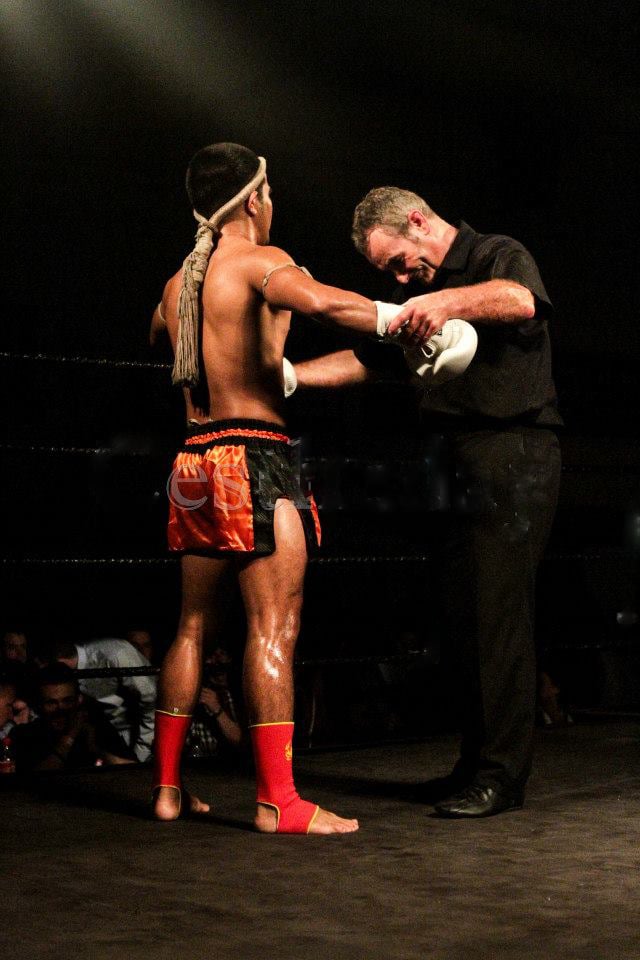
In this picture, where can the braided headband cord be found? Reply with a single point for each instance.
(186, 371)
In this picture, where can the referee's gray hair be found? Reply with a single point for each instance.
(386, 208)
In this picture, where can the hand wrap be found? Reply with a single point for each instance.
(386, 312)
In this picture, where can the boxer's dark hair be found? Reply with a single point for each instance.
(217, 173)
(386, 208)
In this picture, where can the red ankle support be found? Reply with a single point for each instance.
(273, 754)
(171, 731)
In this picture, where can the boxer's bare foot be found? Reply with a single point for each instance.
(195, 805)
(167, 803)
(327, 822)
(323, 823)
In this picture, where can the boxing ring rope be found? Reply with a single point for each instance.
(365, 559)
(609, 469)
(84, 451)
(605, 469)
(618, 468)
(92, 673)
(87, 361)
(621, 467)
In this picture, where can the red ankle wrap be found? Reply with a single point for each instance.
(273, 754)
(170, 733)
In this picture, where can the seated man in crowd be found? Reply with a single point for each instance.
(140, 638)
(129, 701)
(215, 728)
(13, 648)
(71, 730)
(13, 709)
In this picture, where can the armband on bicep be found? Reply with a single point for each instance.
(158, 325)
(281, 266)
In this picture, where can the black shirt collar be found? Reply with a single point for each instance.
(457, 255)
(455, 261)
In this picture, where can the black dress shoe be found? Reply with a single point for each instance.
(480, 800)
(441, 788)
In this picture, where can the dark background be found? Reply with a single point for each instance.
(518, 117)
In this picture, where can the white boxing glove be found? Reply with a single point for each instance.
(445, 355)
(289, 376)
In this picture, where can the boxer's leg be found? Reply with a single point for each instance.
(180, 680)
(272, 594)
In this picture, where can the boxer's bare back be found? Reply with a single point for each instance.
(245, 325)
(242, 339)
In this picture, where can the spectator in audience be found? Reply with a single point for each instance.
(215, 727)
(552, 711)
(13, 709)
(71, 730)
(14, 646)
(141, 639)
(129, 701)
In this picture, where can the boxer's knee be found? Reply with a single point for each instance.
(273, 639)
(190, 631)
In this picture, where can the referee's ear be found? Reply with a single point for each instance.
(416, 218)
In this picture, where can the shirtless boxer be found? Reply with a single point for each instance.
(235, 497)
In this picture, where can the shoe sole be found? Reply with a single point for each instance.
(450, 815)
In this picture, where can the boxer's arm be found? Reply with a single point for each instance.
(164, 311)
(495, 302)
(285, 287)
(341, 369)
(158, 325)
(293, 290)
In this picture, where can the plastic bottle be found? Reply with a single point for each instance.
(7, 761)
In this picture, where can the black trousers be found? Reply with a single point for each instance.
(504, 496)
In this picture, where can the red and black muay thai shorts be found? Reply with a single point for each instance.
(224, 486)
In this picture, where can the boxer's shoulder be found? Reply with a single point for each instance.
(272, 256)
(172, 287)
(265, 260)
